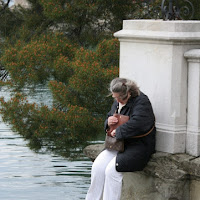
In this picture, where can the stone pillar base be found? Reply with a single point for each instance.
(193, 114)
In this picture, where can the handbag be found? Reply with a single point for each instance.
(121, 120)
(111, 143)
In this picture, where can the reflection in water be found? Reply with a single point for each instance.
(25, 175)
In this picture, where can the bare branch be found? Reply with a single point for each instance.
(4, 5)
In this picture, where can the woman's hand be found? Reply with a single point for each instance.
(112, 120)
(113, 133)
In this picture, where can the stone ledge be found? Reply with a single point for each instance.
(92, 151)
(167, 176)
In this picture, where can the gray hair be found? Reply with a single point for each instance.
(123, 86)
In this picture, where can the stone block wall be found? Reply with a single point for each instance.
(166, 177)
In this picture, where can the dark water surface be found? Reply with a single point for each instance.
(26, 175)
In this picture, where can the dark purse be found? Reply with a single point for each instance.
(111, 143)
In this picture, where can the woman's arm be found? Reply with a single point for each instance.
(110, 120)
(141, 119)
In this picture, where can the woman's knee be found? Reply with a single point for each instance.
(98, 168)
(111, 172)
(99, 164)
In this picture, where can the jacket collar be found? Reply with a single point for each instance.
(130, 102)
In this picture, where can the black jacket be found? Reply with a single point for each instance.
(137, 150)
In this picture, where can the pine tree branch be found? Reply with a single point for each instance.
(4, 5)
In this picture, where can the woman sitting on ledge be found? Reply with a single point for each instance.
(106, 175)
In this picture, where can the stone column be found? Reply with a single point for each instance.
(193, 116)
(152, 54)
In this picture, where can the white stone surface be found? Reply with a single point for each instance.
(152, 54)
(193, 116)
(138, 186)
(22, 3)
(194, 190)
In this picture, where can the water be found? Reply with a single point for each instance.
(26, 175)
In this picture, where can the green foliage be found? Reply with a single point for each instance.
(108, 53)
(49, 126)
(39, 60)
(89, 83)
(78, 79)
(87, 21)
(10, 20)
(19, 23)
(196, 5)
(91, 76)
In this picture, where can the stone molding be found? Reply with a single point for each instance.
(167, 128)
(158, 30)
(174, 135)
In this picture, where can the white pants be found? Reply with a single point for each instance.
(105, 180)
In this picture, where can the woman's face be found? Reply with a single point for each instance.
(119, 99)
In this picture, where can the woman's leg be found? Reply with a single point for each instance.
(113, 182)
(98, 174)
